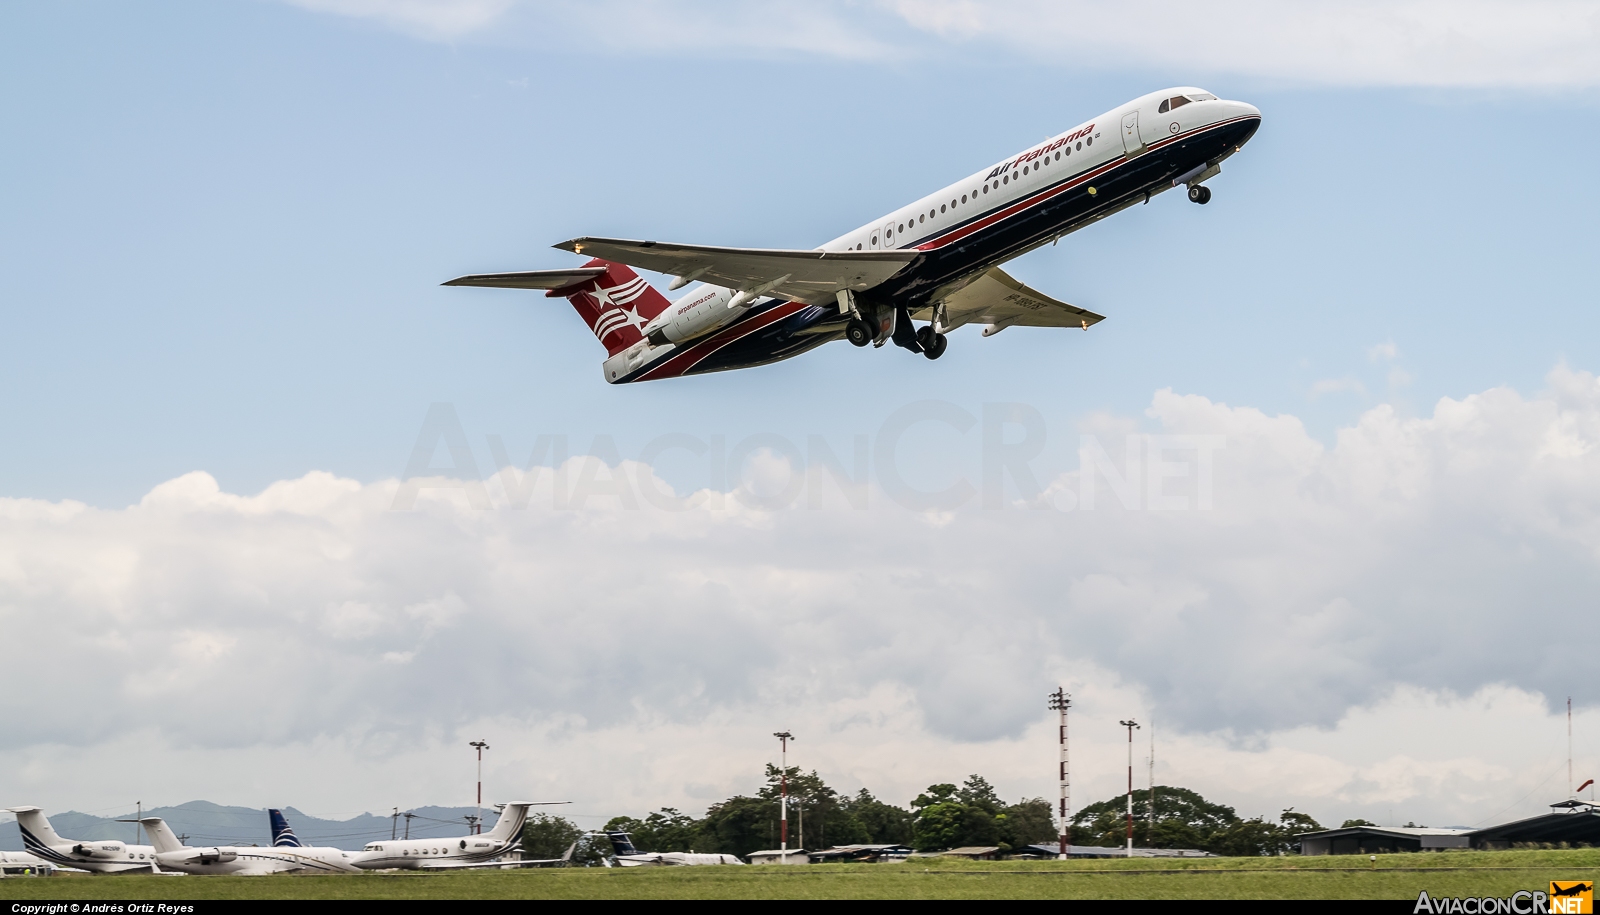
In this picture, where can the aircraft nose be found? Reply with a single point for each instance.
(1244, 109)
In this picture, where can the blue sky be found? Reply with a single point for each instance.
(223, 230)
(223, 243)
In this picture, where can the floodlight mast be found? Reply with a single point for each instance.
(477, 824)
(783, 803)
(1130, 724)
(1060, 701)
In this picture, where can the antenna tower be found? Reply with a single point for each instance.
(1060, 701)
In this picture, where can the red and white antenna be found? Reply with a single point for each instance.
(1060, 701)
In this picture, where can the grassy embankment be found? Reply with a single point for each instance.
(1343, 877)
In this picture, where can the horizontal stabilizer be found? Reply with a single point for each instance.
(813, 277)
(530, 279)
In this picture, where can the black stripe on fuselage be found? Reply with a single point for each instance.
(1062, 211)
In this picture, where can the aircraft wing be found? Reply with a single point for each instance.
(999, 300)
(813, 277)
(529, 279)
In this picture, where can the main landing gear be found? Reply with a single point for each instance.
(932, 342)
(858, 332)
(1199, 193)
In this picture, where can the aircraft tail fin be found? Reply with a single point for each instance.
(622, 843)
(509, 826)
(282, 835)
(160, 834)
(35, 828)
(616, 305)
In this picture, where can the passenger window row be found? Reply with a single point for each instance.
(1004, 179)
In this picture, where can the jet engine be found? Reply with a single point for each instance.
(196, 856)
(215, 855)
(101, 850)
(702, 311)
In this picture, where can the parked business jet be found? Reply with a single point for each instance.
(20, 862)
(282, 857)
(458, 852)
(629, 856)
(106, 856)
(936, 260)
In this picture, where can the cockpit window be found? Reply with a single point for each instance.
(1197, 97)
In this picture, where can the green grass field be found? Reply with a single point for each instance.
(1352, 877)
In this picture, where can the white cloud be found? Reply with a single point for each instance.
(1377, 622)
(444, 20)
(1475, 43)
(1339, 42)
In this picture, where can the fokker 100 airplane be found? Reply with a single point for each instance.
(936, 260)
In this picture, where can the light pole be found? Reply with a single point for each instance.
(783, 803)
(1060, 701)
(1130, 724)
(477, 824)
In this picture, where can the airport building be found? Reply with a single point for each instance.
(1572, 822)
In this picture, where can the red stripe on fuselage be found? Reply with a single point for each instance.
(1010, 210)
(680, 363)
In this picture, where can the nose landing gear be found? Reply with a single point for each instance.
(1200, 194)
(932, 342)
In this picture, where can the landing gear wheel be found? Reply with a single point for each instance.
(932, 343)
(1200, 194)
(858, 332)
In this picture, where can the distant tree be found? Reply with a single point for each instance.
(828, 819)
(1026, 822)
(1248, 838)
(546, 836)
(740, 825)
(1347, 824)
(1296, 822)
(977, 792)
(880, 823)
(951, 817)
(664, 830)
(1184, 819)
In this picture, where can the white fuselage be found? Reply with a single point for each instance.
(252, 860)
(412, 854)
(105, 857)
(1081, 149)
(675, 859)
(16, 860)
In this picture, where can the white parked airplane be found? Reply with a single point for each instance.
(629, 856)
(285, 856)
(106, 856)
(17, 862)
(936, 260)
(458, 852)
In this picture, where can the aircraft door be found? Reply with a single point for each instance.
(888, 235)
(1132, 143)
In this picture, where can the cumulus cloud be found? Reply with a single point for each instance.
(1415, 565)
(1477, 43)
